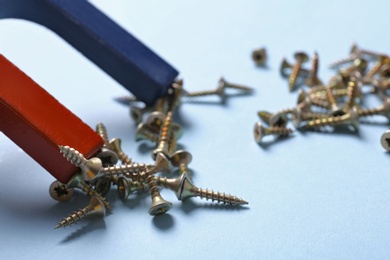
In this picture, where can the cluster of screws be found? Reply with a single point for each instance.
(156, 125)
(339, 103)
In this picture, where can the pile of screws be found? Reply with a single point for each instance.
(339, 103)
(98, 174)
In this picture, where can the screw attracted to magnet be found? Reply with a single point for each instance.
(89, 168)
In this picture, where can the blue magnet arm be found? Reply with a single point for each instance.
(101, 40)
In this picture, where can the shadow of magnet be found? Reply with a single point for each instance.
(101, 40)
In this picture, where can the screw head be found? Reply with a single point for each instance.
(385, 140)
(258, 132)
(123, 191)
(103, 185)
(259, 56)
(279, 119)
(181, 157)
(91, 169)
(155, 120)
(159, 206)
(301, 56)
(107, 157)
(60, 192)
(162, 163)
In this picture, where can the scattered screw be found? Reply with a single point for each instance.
(60, 192)
(260, 131)
(259, 56)
(95, 208)
(300, 58)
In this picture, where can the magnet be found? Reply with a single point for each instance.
(101, 40)
(38, 123)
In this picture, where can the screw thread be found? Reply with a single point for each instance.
(202, 93)
(329, 121)
(125, 159)
(369, 112)
(165, 133)
(151, 184)
(321, 103)
(313, 115)
(74, 217)
(91, 192)
(218, 196)
(126, 100)
(102, 131)
(278, 130)
(125, 169)
(72, 155)
(294, 75)
(370, 74)
(161, 105)
(340, 62)
(351, 94)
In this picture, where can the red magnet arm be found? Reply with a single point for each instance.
(38, 123)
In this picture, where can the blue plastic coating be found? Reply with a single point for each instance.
(101, 40)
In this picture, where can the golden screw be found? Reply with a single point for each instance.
(95, 208)
(260, 131)
(300, 58)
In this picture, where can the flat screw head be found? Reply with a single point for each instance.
(103, 185)
(163, 164)
(91, 169)
(259, 56)
(159, 206)
(181, 157)
(301, 57)
(385, 140)
(258, 132)
(107, 157)
(60, 192)
(122, 188)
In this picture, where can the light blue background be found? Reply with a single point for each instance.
(312, 196)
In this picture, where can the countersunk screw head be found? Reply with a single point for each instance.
(103, 185)
(385, 140)
(60, 192)
(259, 56)
(159, 206)
(181, 157)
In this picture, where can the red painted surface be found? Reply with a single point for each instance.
(38, 123)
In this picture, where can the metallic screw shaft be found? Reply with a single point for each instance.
(102, 131)
(125, 169)
(278, 131)
(74, 217)
(218, 196)
(72, 155)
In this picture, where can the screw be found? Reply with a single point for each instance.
(116, 147)
(385, 140)
(353, 90)
(164, 137)
(159, 205)
(384, 110)
(107, 156)
(279, 119)
(350, 118)
(259, 56)
(260, 131)
(77, 182)
(334, 106)
(145, 133)
(126, 187)
(137, 113)
(162, 164)
(219, 91)
(284, 66)
(126, 100)
(89, 168)
(155, 120)
(94, 208)
(300, 58)
(182, 159)
(313, 79)
(184, 189)
(301, 115)
(371, 54)
(382, 60)
(103, 185)
(60, 192)
(224, 84)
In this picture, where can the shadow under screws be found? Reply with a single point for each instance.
(163, 222)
